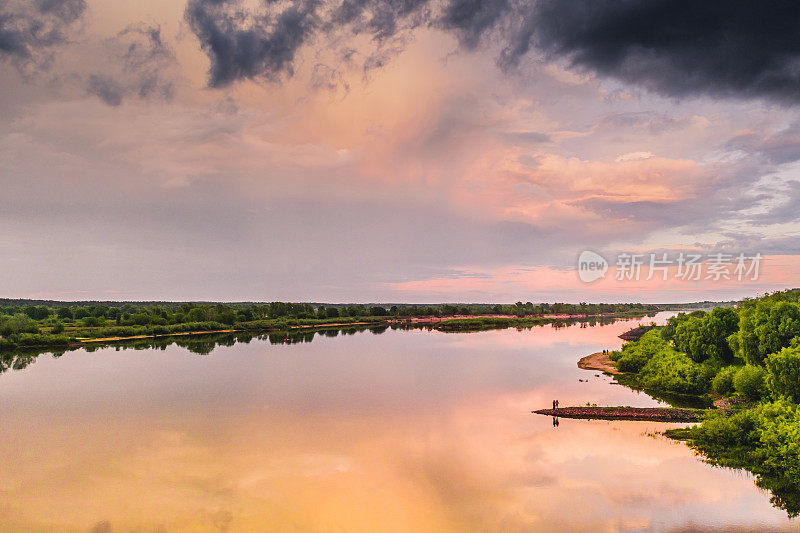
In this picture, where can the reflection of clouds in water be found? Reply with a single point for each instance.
(409, 430)
(476, 466)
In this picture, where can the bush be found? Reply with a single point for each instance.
(739, 429)
(783, 377)
(750, 382)
(673, 371)
(93, 322)
(32, 340)
(722, 383)
(19, 323)
(7, 345)
(635, 355)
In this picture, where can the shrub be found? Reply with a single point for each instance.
(31, 340)
(19, 323)
(7, 345)
(673, 371)
(635, 355)
(749, 381)
(739, 429)
(93, 322)
(722, 383)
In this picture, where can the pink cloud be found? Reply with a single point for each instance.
(776, 272)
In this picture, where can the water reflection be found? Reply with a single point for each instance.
(401, 431)
(204, 344)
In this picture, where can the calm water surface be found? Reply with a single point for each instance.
(401, 431)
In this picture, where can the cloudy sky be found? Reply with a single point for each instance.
(393, 150)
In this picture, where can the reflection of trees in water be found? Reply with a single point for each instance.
(204, 344)
(785, 490)
(198, 344)
(771, 473)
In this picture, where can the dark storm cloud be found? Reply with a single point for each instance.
(382, 19)
(678, 47)
(263, 43)
(28, 29)
(674, 47)
(243, 45)
(472, 19)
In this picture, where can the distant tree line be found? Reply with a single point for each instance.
(136, 314)
(39, 323)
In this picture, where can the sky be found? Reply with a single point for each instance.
(395, 151)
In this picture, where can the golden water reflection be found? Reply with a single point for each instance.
(119, 441)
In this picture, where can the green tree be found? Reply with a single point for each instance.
(706, 337)
(783, 374)
(689, 339)
(668, 331)
(765, 327)
(717, 326)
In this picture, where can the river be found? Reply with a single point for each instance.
(397, 431)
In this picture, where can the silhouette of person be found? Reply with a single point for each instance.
(554, 404)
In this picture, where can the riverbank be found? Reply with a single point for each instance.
(598, 361)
